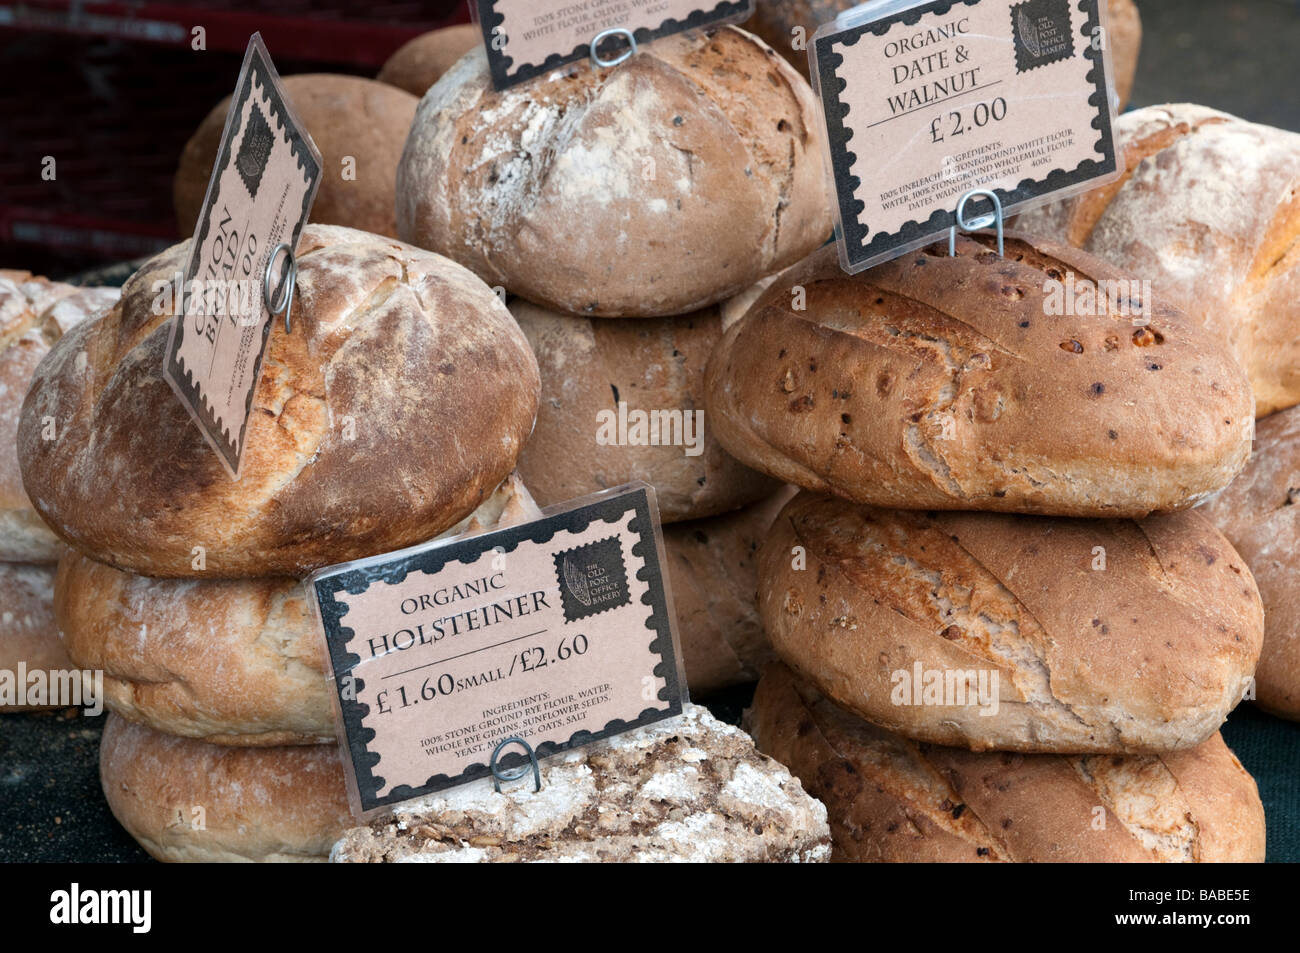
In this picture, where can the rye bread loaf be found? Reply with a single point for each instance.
(398, 403)
(28, 635)
(421, 62)
(1208, 210)
(1259, 513)
(359, 125)
(653, 188)
(187, 801)
(34, 313)
(589, 368)
(232, 662)
(890, 799)
(1015, 633)
(944, 382)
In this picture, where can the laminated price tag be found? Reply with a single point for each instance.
(925, 102)
(557, 632)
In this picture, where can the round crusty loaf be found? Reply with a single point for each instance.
(394, 408)
(349, 118)
(938, 382)
(187, 801)
(1208, 210)
(890, 799)
(34, 313)
(589, 366)
(1104, 636)
(28, 634)
(654, 188)
(231, 662)
(421, 62)
(1259, 513)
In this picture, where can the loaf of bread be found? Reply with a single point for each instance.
(28, 635)
(359, 125)
(1125, 26)
(948, 383)
(34, 313)
(187, 801)
(421, 62)
(653, 188)
(599, 378)
(890, 799)
(1259, 513)
(405, 386)
(1208, 211)
(1015, 633)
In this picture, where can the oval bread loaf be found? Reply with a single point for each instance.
(890, 799)
(405, 386)
(1015, 633)
(28, 634)
(947, 383)
(653, 188)
(421, 62)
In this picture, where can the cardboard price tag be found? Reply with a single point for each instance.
(558, 631)
(924, 102)
(259, 196)
(525, 38)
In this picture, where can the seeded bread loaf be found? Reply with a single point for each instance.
(421, 62)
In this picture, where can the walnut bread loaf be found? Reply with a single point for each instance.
(653, 188)
(1208, 211)
(1018, 633)
(890, 799)
(947, 383)
(405, 384)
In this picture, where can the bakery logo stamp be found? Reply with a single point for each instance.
(557, 631)
(592, 578)
(1041, 29)
(259, 196)
(527, 38)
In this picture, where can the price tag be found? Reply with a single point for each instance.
(559, 632)
(924, 102)
(526, 38)
(259, 195)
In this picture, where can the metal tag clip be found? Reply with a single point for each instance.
(621, 57)
(514, 774)
(984, 221)
(287, 286)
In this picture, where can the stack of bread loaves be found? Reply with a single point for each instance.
(633, 211)
(34, 313)
(994, 552)
(394, 409)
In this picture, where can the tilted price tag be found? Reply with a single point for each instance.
(258, 199)
(559, 632)
(925, 102)
(526, 38)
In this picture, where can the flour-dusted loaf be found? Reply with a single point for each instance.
(359, 125)
(188, 801)
(945, 383)
(1044, 634)
(397, 404)
(28, 634)
(1259, 513)
(890, 799)
(421, 62)
(599, 377)
(653, 188)
(1208, 211)
(34, 313)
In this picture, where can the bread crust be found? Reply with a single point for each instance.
(421, 62)
(28, 634)
(405, 383)
(894, 800)
(944, 382)
(1146, 650)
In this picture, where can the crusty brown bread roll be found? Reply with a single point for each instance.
(1259, 513)
(419, 63)
(655, 367)
(231, 662)
(1208, 210)
(28, 634)
(947, 383)
(653, 188)
(890, 799)
(187, 801)
(359, 125)
(34, 313)
(1016, 633)
(1125, 26)
(405, 384)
